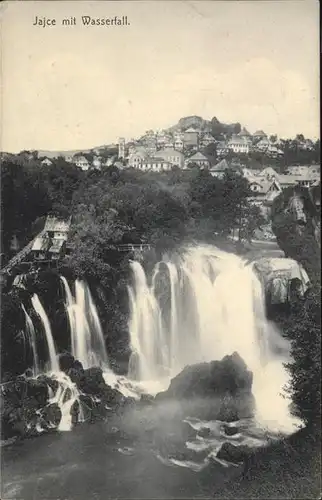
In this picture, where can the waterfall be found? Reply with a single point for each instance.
(70, 310)
(30, 329)
(53, 362)
(66, 395)
(216, 307)
(87, 339)
(97, 337)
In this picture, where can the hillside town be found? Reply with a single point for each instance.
(270, 164)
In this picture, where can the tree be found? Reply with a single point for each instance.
(61, 180)
(192, 165)
(236, 128)
(23, 199)
(251, 220)
(211, 150)
(304, 331)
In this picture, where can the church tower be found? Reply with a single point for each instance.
(121, 147)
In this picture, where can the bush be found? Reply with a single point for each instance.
(304, 331)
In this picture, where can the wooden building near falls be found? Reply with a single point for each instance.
(51, 243)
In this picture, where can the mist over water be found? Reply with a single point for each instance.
(198, 305)
(214, 305)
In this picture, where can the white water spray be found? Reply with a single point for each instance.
(53, 362)
(30, 329)
(66, 396)
(67, 393)
(217, 307)
(87, 340)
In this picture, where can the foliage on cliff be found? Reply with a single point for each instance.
(296, 224)
(303, 328)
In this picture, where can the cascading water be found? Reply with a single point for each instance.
(67, 393)
(87, 340)
(66, 396)
(53, 361)
(216, 307)
(30, 329)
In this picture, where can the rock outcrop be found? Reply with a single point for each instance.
(29, 406)
(234, 454)
(224, 386)
(296, 222)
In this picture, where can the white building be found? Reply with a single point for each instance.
(81, 162)
(176, 158)
(199, 159)
(239, 144)
(47, 162)
(155, 165)
(137, 157)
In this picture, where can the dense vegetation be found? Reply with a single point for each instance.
(125, 206)
(303, 328)
(110, 207)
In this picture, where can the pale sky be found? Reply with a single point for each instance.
(255, 62)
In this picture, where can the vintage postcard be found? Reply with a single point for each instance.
(160, 250)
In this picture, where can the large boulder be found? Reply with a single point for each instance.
(234, 454)
(66, 361)
(222, 389)
(50, 416)
(93, 382)
(19, 419)
(20, 401)
(37, 389)
(51, 383)
(217, 378)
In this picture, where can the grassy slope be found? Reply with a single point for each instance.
(288, 469)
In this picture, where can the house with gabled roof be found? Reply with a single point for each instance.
(47, 162)
(298, 170)
(220, 169)
(244, 133)
(308, 180)
(137, 155)
(258, 135)
(263, 144)
(176, 158)
(199, 159)
(264, 191)
(81, 162)
(222, 148)
(50, 244)
(207, 139)
(269, 173)
(155, 164)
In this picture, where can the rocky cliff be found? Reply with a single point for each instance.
(296, 222)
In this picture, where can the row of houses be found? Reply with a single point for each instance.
(159, 150)
(82, 162)
(267, 183)
(194, 140)
(154, 152)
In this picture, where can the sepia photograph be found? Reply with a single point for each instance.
(160, 250)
